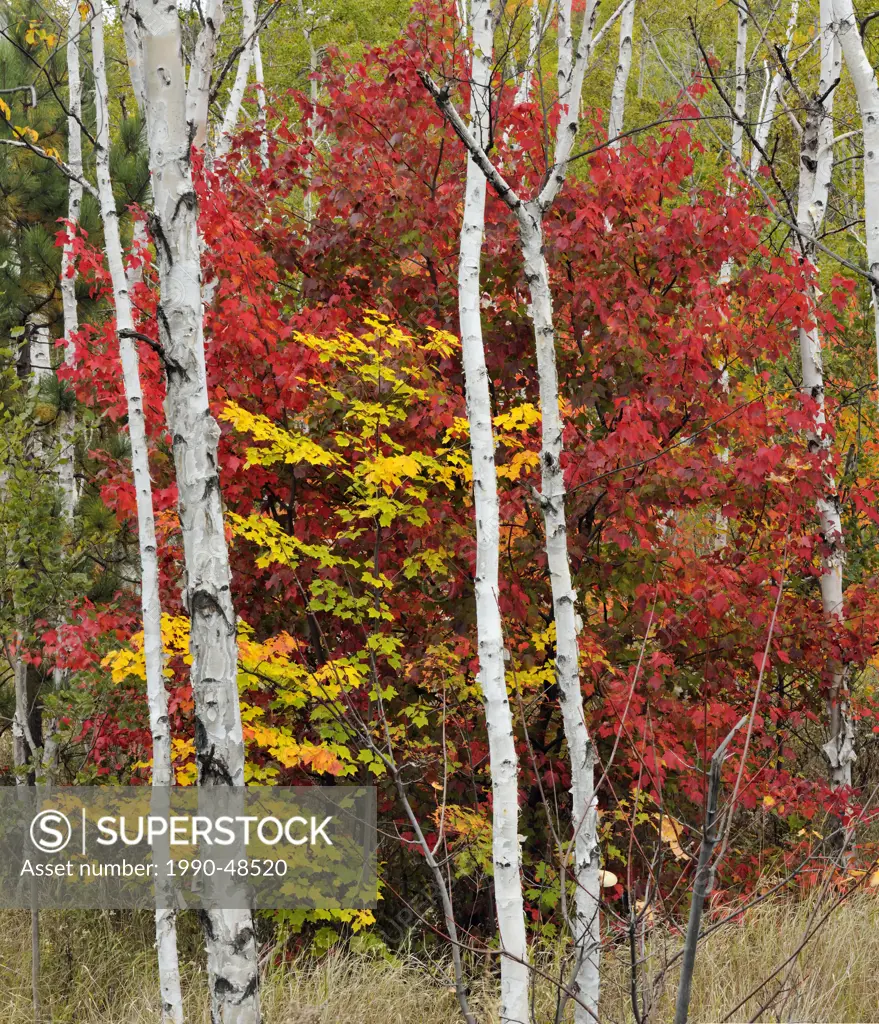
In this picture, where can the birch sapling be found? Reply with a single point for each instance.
(503, 760)
(845, 24)
(816, 167)
(66, 467)
(151, 610)
(530, 218)
(207, 586)
(66, 455)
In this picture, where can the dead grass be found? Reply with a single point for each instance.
(99, 969)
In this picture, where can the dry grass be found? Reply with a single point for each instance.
(99, 969)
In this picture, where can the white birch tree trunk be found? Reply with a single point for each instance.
(741, 92)
(572, 68)
(586, 918)
(867, 90)
(503, 761)
(197, 93)
(621, 76)
(308, 30)
(816, 167)
(151, 611)
(740, 107)
(68, 279)
(242, 73)
(67, 421)
(526, 76)
(24, 744)
(173, 122)
(586, 923)
(261, 105)
(771, 95)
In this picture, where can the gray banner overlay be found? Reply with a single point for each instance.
(129, 847)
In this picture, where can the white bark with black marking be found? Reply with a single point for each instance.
(816, 167)
(151, 610)
(503, 761)
(771, 95)
(621, 76)
(587, 934)
(867, 90)
(174, 121)
(242, 73)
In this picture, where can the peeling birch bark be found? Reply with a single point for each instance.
(151, 610)
(503, 760)
(174, 120)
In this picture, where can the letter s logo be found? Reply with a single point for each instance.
(51, 831)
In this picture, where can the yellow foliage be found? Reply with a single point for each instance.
(283, 445)
(26, 133)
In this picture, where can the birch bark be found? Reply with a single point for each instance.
(741, 98)
(151, 610)
(308, 30)
(523, 89)
(867, 90)
(772, 94)
(261, 106)
(530, 214)
(816, 167)
(174, 120)
(197, 94)
(621, 77)
(740, 108)
(503, 761)
(586, 924)
(242, 73)
(66, 455)
(68, 277)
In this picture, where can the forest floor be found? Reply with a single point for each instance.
(99, 969)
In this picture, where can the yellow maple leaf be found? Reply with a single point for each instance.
(669, 834)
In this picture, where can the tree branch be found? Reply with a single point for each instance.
(59, 163)
(477, 153)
